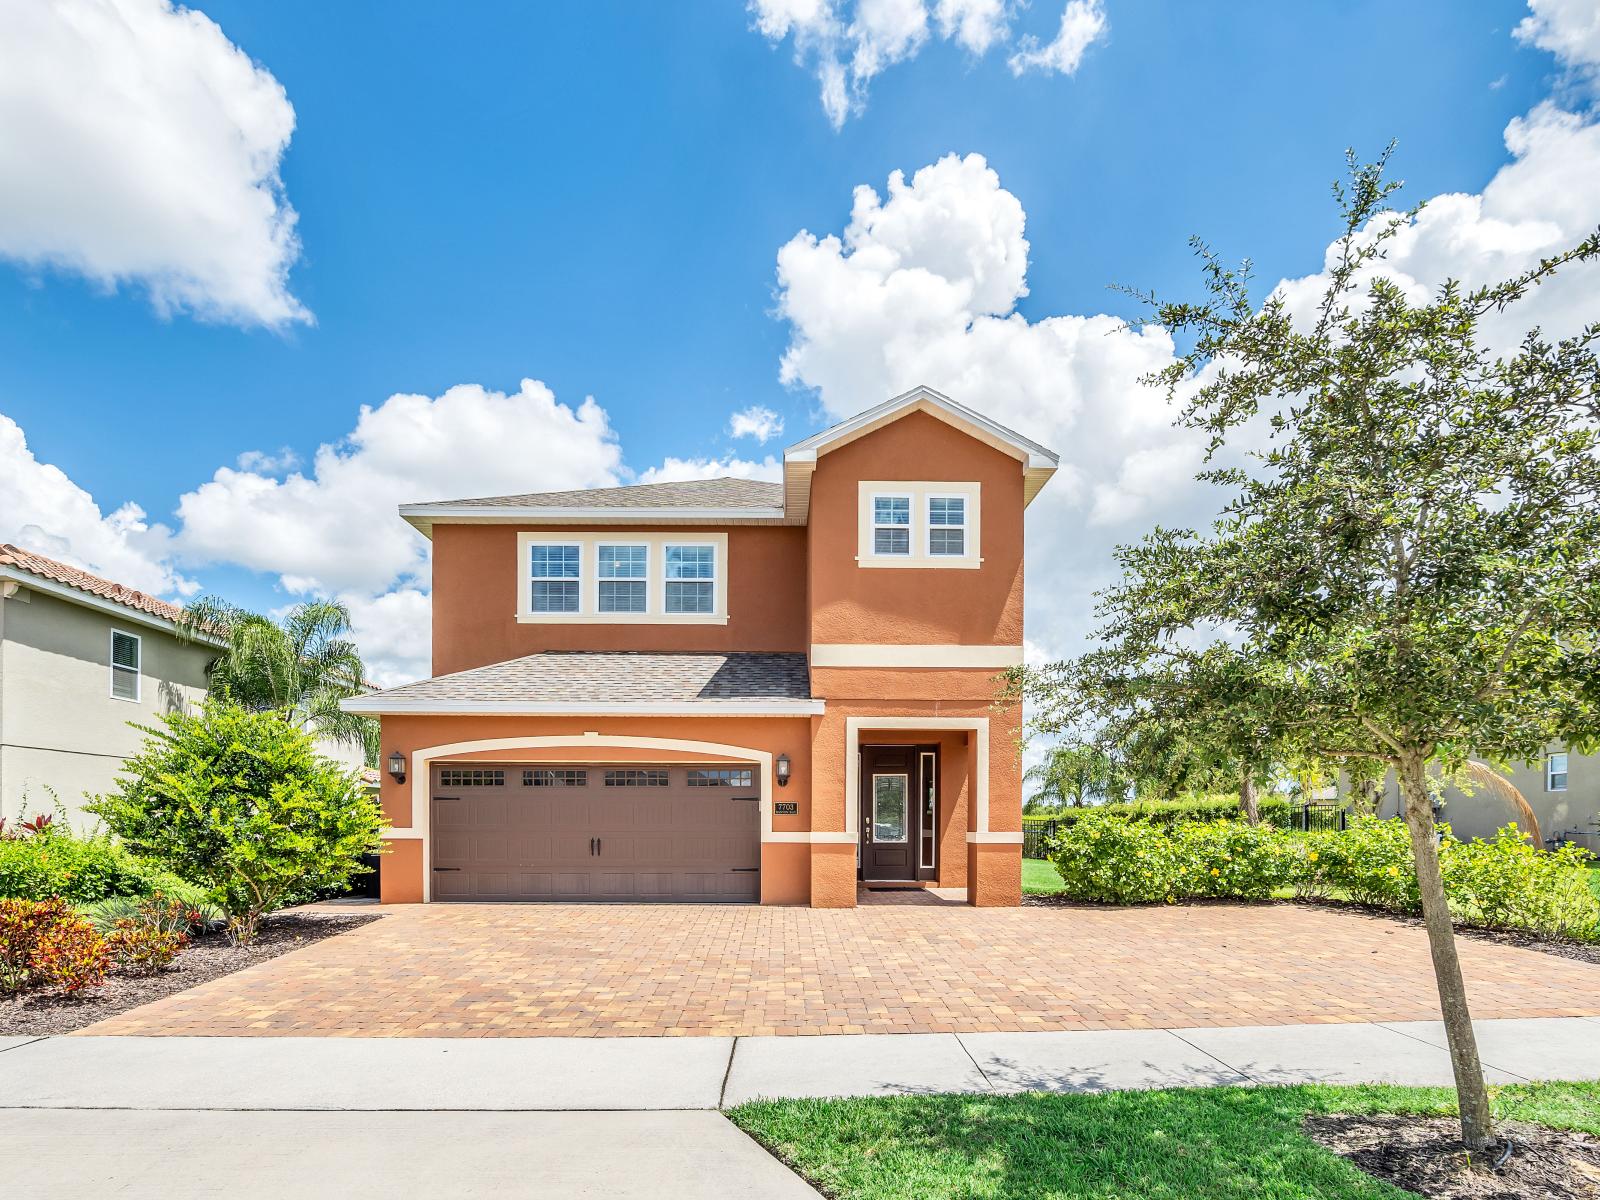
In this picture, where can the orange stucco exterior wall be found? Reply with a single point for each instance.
(475, 580)
(878, 606)
(788, 589)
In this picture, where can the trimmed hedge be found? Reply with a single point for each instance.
(1496, 883)
(1274, 811)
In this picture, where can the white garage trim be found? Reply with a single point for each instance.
(421, 779)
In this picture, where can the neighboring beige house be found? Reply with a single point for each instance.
(1563, 789)
(81, 657)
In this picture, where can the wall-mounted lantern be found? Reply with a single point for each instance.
(783, 770)
(397, 766)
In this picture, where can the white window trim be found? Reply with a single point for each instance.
(718, 554)
(928, 526)
(620, 543)
(112, 668)
(589, 583)
(871, 548)
(1550, 772)
(525, 551)
(920, 492)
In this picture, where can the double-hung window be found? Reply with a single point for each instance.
(125, 654)
(947, 526)
(891, 525)
(622, 582)
(555, 570)
(691, 579)
(1555, 773)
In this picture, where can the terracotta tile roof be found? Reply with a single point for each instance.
(628, 677)
(73, 577)
(690, 493)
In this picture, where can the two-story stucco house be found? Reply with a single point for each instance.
(729, 689)
(80, 657)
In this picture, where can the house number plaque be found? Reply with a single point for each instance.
(786, 808)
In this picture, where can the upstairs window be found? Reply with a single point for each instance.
(891, 525)
(125, 655)
(691, 579)
(1555, 773)
(947, 525)
(555, 571)
(622, 571)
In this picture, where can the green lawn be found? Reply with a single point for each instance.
(1202, 1144)
(1594, 877)
(1039, 878)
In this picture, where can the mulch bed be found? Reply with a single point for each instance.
(1424, 1155)
(208, 957)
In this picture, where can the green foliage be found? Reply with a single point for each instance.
(187, 913)
(1166, 812)
(140, 948)
(300, 667)
(1369, 862)
(45, 944)
(1074, 773)
(241, 803)
(79, 870)
(1504, 882)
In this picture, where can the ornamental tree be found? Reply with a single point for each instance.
(1409, 572)
(241, 803)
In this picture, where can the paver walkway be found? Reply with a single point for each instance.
(634, 970)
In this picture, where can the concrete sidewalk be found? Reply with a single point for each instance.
(652, 1073)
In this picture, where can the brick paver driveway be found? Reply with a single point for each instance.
(532, 970)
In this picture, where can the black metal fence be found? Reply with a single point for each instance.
(1314, 817)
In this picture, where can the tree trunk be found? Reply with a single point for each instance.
(1477, 1129)
(1369, 797)
(1247, 798)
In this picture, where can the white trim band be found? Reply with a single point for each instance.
(990, 839)
(838, 654)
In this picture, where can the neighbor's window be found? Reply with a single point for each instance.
(1555, 773)
(646, 778)
(947, 525)
(891, 524)
(740, 777)
(622, 578)
(124, 665)
(555, 578)
(691, 579)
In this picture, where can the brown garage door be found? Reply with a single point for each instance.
(631, 831)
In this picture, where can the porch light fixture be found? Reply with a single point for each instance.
(397, 766)
(783, 770)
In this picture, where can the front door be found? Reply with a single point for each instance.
(897, 785)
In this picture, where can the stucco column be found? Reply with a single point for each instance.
(833, 864)
(994, 856)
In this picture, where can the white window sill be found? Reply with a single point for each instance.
(622, 619)
(933, 562)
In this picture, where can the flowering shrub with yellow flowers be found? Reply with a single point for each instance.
(1505, 882)
(1230, 859)
(1110, 859)
(1369, 862)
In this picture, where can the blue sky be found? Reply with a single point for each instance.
(594, 197)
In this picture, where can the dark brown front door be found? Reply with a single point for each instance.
(898, 812)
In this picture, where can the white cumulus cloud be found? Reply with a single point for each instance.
(1569, 29)
(138, 145)
(1083, 23)
(676, 470)
(43, 510)
(756, 421)
(848, 43)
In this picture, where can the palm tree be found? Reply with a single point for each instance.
(1073, 774)
(301, 666)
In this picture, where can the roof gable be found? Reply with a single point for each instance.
(49, 569)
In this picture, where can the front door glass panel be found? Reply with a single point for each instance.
(889, 796)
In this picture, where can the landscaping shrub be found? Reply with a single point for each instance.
(144, 949)
(1504, 882)
(184, 912)
(1274, 811)
(1234, 859)
(1369, 862)
(55, 862)
(1107, 857)
(45, 944)
(241, 803)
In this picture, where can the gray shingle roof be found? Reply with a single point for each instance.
(614, 677)
(690, 493)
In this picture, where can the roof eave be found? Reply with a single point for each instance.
(115, 608)
(378, 706)
(424, 516)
